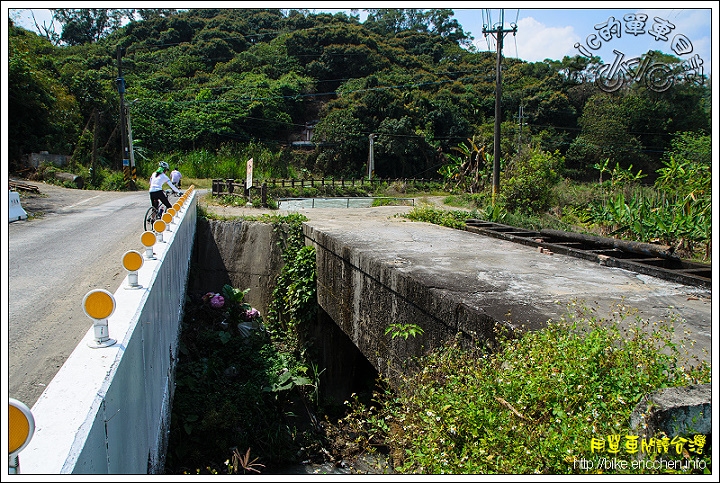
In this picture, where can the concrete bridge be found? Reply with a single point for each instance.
(449, 281)
(107, 409)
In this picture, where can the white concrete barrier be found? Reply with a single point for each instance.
(107, 410)
(16, 211)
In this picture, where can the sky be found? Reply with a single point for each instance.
(550, 33)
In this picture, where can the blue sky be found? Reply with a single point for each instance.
(553, 33)
(541, 33)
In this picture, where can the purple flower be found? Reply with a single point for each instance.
(217, 301)
(252, 314)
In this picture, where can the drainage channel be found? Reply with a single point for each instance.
(645, 258)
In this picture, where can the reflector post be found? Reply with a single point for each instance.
(99, 304)
(21, 427)
(159, 227)
(167, 218)
(132, 261)
(148, 239)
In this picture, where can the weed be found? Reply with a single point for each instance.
(243, 461)
(404, 330)
(449, 218)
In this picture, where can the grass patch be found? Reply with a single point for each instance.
(449, 218)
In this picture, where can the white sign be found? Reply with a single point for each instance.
(248, 181)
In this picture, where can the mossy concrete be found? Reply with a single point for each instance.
(455, 283)
(243, 254)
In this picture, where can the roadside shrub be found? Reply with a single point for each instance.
(113, 181)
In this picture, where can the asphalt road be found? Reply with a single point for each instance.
(72, 242)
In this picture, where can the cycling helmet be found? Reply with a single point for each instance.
(164, 165)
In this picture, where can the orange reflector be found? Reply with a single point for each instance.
(159, 226)
(21, 426)
(99, 304)
(148, 238)
(132, 261)
(167, 217)
(177, 206)
(172, 211)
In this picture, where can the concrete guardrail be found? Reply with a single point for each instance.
(107, 410)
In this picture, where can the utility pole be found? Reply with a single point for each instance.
(499, 33)
(371, 157)
(123, 126)
(133, 171)
(93, 166)
(521, 116)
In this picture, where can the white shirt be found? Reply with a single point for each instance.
(158, 180)
(175, 175)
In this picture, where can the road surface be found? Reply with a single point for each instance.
(72, 242)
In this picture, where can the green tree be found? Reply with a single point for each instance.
(342, 138)
(691, 146)
(44, 114)
(604, 134)
(86, 25)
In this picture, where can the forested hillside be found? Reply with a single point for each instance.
(220, 79)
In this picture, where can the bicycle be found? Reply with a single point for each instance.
(153, 214)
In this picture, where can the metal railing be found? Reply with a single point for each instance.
(230, 186)
(341, 201)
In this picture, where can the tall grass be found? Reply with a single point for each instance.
(229, 161)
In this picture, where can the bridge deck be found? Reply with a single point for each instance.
(402, 271)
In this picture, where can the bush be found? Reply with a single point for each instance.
(113, 181)
(535, 404)
(529, 181)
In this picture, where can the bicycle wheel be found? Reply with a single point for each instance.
(150, 217)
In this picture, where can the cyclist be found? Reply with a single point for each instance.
(176, 177)
(157, 180)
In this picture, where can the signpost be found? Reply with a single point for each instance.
(249, 178)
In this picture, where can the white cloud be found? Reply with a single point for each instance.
(537, 42)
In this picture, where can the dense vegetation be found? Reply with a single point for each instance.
(533, 406)
(207, 89)
(244, 82)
